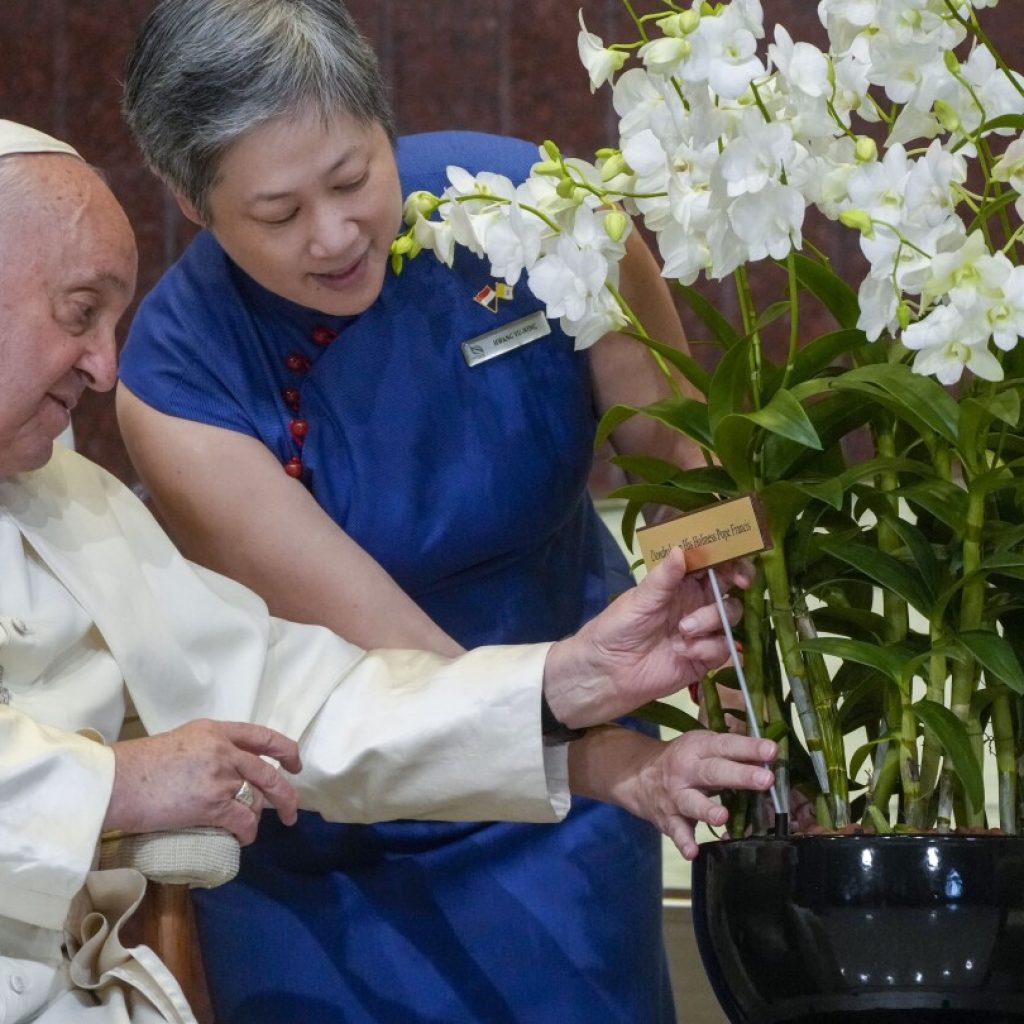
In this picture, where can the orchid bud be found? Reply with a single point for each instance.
(552, 150)
(671, 26)
(396, 263)
(615, 224)
(949, 58)
(548, 167)
(566, 188)
(904, 315)
(859, 220)
(614, 165)
(605, 152)
(688, 22)
(401, 245)
(425, 202)
(947, 115)
(865, 151)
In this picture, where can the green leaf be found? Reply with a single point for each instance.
(682, 361)
(920, 400)
(853, 622)
(703, 479)
(940, 499)
(828, 491)
(1014, 121)
(916, 542)
(952, 735)
(861, 754)
(998, 479)
(660, 494)
(730, 385)
(996, 656)
(890, 661)
(785, 416)
(885, 570)
(685, 416)
(879, 820)
(821, 353)
(718, 325)
(827, 286)
(976, 413)
(771, 314)
(873, 467)
(654, 471)
(671, 717)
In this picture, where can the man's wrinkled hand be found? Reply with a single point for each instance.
(191, 775)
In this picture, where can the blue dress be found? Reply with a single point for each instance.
(468, 485)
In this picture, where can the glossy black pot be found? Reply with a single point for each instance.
(850, 927)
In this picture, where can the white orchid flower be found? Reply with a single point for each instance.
(685, 253)
(601, 316)
(600, 62)
(967, 274)
(930, 186)
(1005, 315)
(769, 222)
(1010, 168)
(749, 163)
(946, 344)
(803, 66)
(568, 278)
(879, 303)
(437, 236)
(727, 49)
(514, 243)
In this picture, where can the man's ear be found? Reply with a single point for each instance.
(188, 209)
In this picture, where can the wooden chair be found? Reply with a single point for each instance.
(174, 863)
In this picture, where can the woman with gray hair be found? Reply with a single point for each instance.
(308, 423)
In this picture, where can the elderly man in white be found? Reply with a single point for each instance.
(97, 606)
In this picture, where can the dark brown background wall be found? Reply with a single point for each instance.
(506, 66)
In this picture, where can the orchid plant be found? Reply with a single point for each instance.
(881, 642)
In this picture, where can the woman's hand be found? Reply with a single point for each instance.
(671, 784)
(192, 775)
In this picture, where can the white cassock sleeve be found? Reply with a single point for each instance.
(54, 791)
(383, 735)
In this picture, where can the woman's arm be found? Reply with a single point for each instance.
(231, 507)
(625, 372)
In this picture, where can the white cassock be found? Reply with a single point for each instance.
(96, 603)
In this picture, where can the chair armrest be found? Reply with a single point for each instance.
(201, 857)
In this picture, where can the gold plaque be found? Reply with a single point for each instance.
(728, 529)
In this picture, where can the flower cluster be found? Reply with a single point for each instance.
(722, 150)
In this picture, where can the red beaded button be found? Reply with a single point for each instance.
(291, 398)
(299, 429)
(297, 362)
(293, 467)
(323, 335)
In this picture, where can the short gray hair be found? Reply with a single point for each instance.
(203, 73)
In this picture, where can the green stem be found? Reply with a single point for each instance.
(972, 600)
(1006, 760)
(816, 711)
(794, 317)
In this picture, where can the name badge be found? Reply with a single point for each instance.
(506, 338)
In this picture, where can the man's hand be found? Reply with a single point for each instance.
(653, 640)
(190, 775)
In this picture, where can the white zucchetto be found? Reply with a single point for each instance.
(19, 138)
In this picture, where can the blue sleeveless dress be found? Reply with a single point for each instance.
(468, 485)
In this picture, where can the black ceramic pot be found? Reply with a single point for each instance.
(875, 928)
